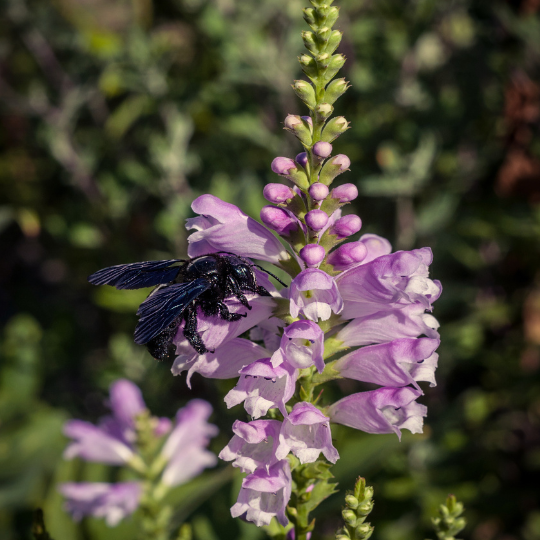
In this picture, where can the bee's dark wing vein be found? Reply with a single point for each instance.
(137, 275)
(161, 308)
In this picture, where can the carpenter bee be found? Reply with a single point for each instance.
(182, 287)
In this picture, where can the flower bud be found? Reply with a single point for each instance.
(324, 110)
(346, 226)
(351, 501)
(282, 165)
(277, 193)
(316, 219)
(318, 191)
(345, 193)
(309, 66)
(363, 531)
(333, 167)
(335, 128)
(365, 508)
(322, 149)
(349, 516)
(312, 254)
(308, 119)
(323, 60)
(336, 63)
(279, 220)
(333, 41)
(347, 255)
(309, 42)
(305, 92)
(335, 90)
(309, 16)
(302, 159)
(300, 128)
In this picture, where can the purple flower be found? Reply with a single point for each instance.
(224, 227)
(345, 193)
(253, 445)
(301, 346)
(323, 297)
(224, 363)
(113, 502)
(376, 246)
(408, 322)
(306, 433)
(346, 226)
(93, 443)
(262, 387)
(302, 159)
(215, 331)
(279, 220)
(282, 165)
(264, 495)
(386, 410)
(347, 255)
(398, 363)
(126, 401)
(318, 191)
(312, 254)
(277, 193)
(185, 448)
(316, 219)
(396, 279)
(322, 149)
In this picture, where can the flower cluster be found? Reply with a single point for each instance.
(180, 452)
(345, 295)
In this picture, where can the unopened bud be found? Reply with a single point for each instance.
(305, 92)
(368, 490)
(323, 61)
(350, 500)
(312, 254)
(349, 516)
(279, 220)
(333, 41)
(309, 42)
(332, 15)
(301, 129)
(335, 128)
(302, 159)
(345, 193)
(364, 531)
(277, 193)
(282, 165)
(322, 149)
(333, 167)
(343, 257)
(318, 191)
(309, 16)
(346, 226)
(335, 89)
(309, 66)
(316, 220)
(324, 110)
(365, 508)
(336, 63)
(309, 120)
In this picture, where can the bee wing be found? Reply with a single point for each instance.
(161, 308)
(137, 275)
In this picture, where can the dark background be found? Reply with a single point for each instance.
(116, 114)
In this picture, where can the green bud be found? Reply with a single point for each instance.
(368, 493)
(333, 167)
(336, 63)
(334, 129)
(309, 42)
(323, 61)
(300, 128)
(305, 92)
(320, 3)
(343, 537)
(309, 66)
(309, 16)
(349, 517)
(332, 16)
(351, 501)
(335, 90)
(334, 39)
(322, 36)
(459, 524)
(364, 531)
(324, 110)
(365, 508)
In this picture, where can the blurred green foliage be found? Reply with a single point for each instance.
(117, 113)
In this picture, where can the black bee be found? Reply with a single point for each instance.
(183, 285)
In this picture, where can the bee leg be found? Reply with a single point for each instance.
(225, 314)
(190, 330)
(261, 291)
(243, 300)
